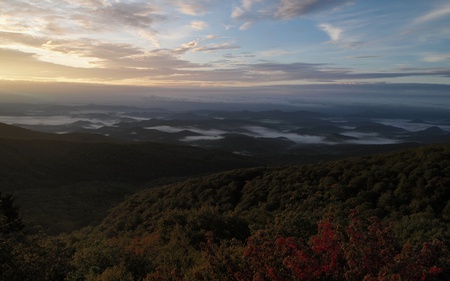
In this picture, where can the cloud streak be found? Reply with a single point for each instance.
(436, 14)
(72, 18)
(166, 66)
(262, 10)
(332, 31)
(222, 43)
(288, 9)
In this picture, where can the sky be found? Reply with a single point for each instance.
(223, 45)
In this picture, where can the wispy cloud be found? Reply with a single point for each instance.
(82, 19)
(288, 9)
(333, 32)
(159, 41)
(277, 52)
(164, 66)
(193, 7)
(199, 25)
(436, 14)
(252, 11)
(436, 57)
(213, 47)
(365, 57)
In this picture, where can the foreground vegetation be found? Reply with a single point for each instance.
(382, 217)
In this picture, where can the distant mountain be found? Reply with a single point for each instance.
(33, 159)
(336, 138)
(259, 132)
(319, 130)
(432, 131)
(248, 145)
(273, 115)
(432, 134)
(379, 128)
(417, 121)
(40, 165)
(14, 132)
(207, 195)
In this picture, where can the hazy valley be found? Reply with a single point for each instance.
(154, 194)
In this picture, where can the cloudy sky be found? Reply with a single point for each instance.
(223, 44)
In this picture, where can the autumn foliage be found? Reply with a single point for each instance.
(366, 249)
(373, 218)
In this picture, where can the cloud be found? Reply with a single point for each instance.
(251, 11)
(244, 14)
(276, 53)
(195, 45)
(213, 47)
(436, 14)
(81, 19)
(191, 45)
(324, 72)
(288, 9)
(93, 48)
(157, 65)
(199, 25)
(336, 35)
(333, 32)
(193, 7)
(436, 57)
(123, 62)
(248, 4)
(364, 57)
(12, 38)
(246, 25)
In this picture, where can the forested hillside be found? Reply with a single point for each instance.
(381, 217)
(64, 182)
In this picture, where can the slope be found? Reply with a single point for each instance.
(381, 217)
(37, 167)
(314, 222)
(409, 187)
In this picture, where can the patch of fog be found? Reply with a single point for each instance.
(38, 120)
(93, 126)
(197, 138)
(305, 138)
(167, 129)
(374, 141)
(136, 118)
(269, 133)
(55, 120)
(335, 119)
(407, 125)
(360, 135)
(245, 153)
(368, 138)
(270, 121)
(205, 132)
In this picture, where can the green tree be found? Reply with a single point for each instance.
(9, 215)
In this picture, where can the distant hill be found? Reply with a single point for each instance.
(18, 133)
(41, 160)
(37, 166)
